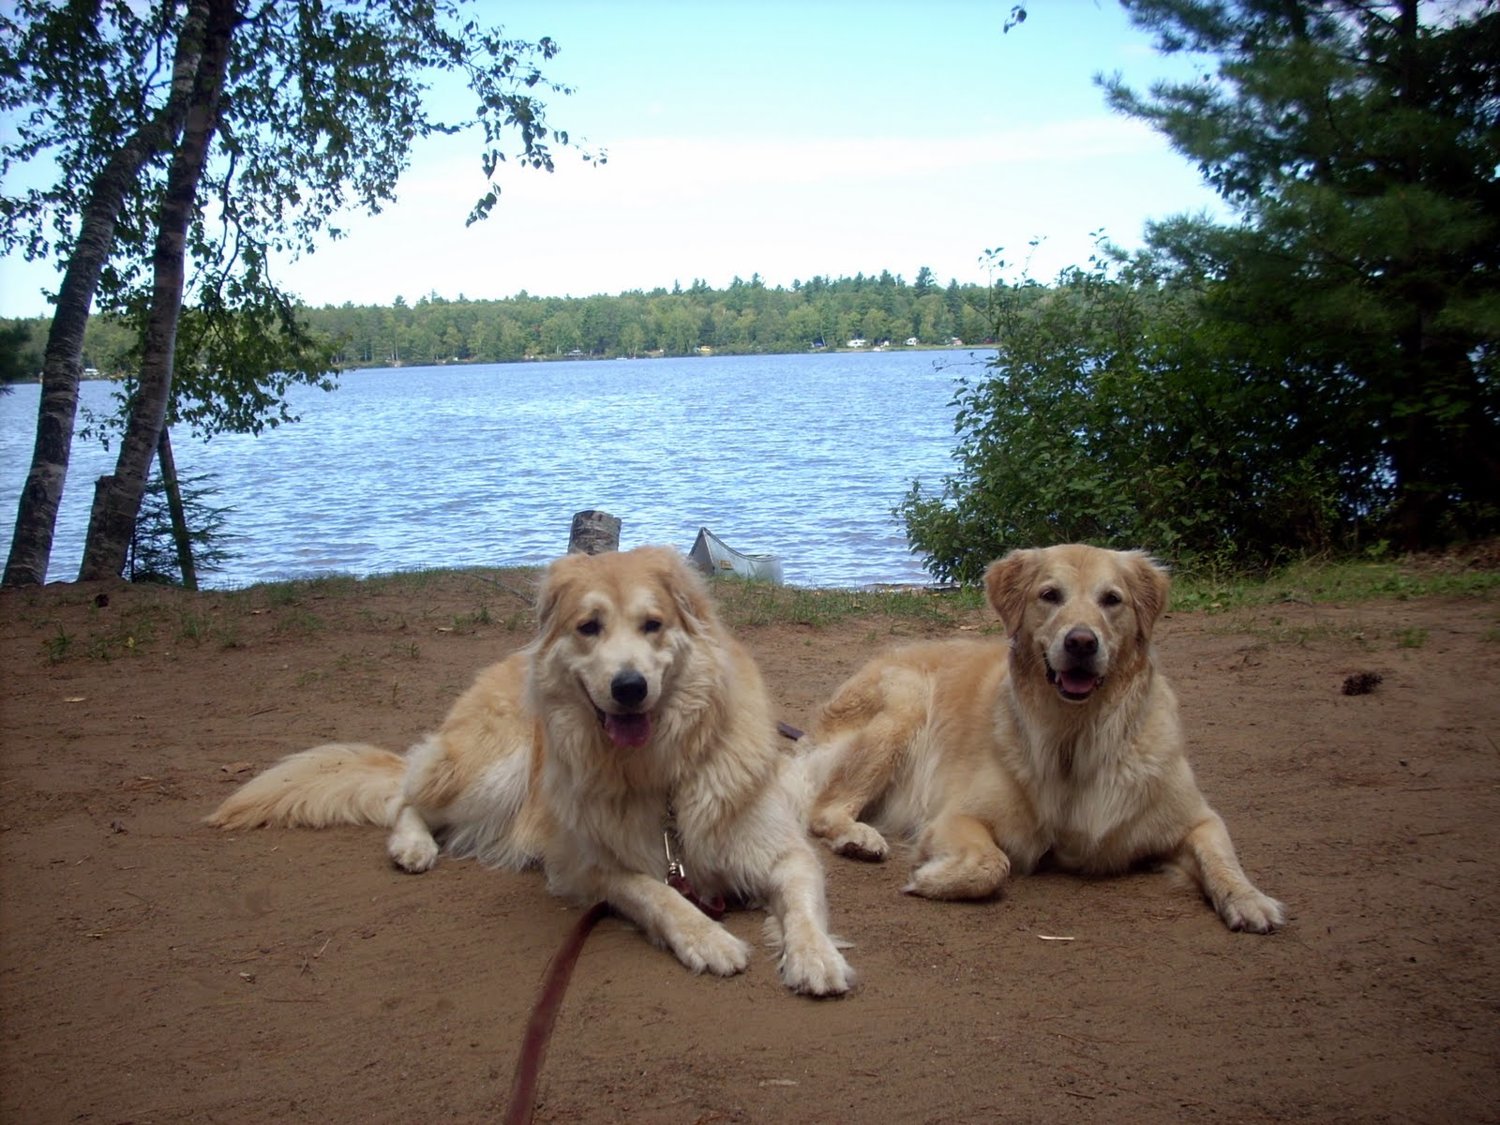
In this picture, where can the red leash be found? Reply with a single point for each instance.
(543, 1016)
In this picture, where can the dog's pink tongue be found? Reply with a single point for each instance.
(1077, 683)
(628, 730)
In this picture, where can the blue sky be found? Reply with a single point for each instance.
(785, 139)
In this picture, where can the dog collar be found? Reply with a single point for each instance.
(677, 876)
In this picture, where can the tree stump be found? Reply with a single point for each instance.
(593, 533)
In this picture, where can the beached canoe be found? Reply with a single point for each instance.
(713, 556)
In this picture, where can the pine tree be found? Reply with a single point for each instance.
(1358, 143)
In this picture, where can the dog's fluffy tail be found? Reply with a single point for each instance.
(338, 783)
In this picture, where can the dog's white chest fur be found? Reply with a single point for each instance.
(1090, 788)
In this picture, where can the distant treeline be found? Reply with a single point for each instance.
(746, 318)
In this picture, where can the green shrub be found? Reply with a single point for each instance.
(1116, 413)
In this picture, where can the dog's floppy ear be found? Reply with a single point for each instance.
(688, 590)
(1148, 582)
(1005, 584)
(555, 582)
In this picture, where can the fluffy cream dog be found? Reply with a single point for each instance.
(633, 733)
(1065, 742)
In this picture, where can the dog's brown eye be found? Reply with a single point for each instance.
(589, 628)
(651, 625)
(1110, 600)
(1050, 594)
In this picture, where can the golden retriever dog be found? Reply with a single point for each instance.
(631, 738)
(1063, 743)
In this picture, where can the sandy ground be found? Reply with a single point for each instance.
(154, 970)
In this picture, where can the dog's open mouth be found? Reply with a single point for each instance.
(627, 731)
(1073, 684)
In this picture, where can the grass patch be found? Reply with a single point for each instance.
(298, 590)
(472, 621)
(58, 646)
(122, 639)
(1411, 638)
(1313, 582)
(192, 626)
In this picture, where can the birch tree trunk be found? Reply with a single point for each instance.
(62, 363)
(117, 498)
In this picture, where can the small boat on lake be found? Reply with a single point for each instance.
(714, 557)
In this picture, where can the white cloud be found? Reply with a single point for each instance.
(662, 169)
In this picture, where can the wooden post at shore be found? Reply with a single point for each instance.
(593, 533)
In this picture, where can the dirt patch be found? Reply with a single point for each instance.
(154, 970)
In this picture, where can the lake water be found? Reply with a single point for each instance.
(802, 456)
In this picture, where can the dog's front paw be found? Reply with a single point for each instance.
(1252, 911)
(861, 842)
(816, 968)
(713, 949)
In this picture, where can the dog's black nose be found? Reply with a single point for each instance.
(1081, 642)
(628, 688)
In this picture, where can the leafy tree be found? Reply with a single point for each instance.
(319, 106)
(54, 62)
(632, 339)
(117, 498)
(562, 332)
(1359, 143)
